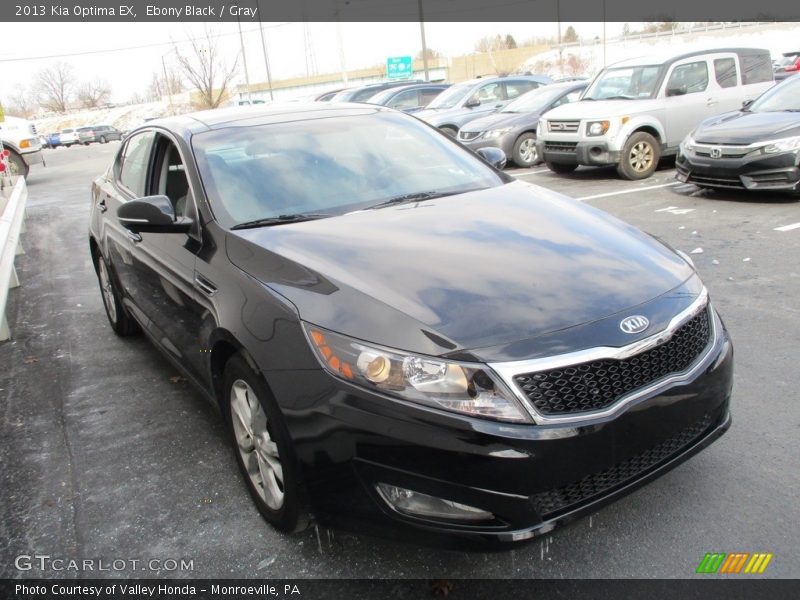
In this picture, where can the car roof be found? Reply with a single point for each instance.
(480, 80)
(257, 114)
(669, 58)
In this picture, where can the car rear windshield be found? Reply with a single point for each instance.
(782, 97)
(625, 83)
(330, 165)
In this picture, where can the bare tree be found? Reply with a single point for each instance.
(430, 53)
(92, 94)
(576, 65)
(497, 42)
(21, 104)
(54, 86)
(206, 70)
(161, 85)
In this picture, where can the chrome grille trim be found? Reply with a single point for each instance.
(508, 370)
(563, 126)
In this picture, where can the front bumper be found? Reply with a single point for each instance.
(592, 153)
(504, 142)
(33, 158)
(778, 172)
(532, 478)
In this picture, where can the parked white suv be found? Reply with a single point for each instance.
(638, 110)
(19, 137)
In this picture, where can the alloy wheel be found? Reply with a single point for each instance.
(258, 450)
(107, 291)
(641, 156)
(527, 150)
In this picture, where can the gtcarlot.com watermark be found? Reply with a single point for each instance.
(45, 563)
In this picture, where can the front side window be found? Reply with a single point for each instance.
(514, 89)
(451, 96)
(406, 99)
(134, 162)
(492, 92)
(725, 72)
(690, 78)
(330, 166)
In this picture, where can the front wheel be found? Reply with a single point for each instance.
(639, 157)
(102, 139)
(561, 167)
(263, 447)
(525, 154)
(17, 164)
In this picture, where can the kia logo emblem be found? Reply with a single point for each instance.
(634, 324)
(716, 153)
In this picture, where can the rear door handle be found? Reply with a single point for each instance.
(133, 236)
(101, 206)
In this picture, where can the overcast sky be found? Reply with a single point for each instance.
(115, 52)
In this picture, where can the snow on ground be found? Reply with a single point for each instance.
(121, 117)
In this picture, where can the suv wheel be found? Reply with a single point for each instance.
(525, 154)
(122, 323)
(561, 167)
(639, 156)
(263, 447)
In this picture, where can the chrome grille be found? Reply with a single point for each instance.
(596, 385)
(563, 126)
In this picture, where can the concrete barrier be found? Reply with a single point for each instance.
(12, 218)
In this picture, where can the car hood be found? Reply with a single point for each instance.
(600, 109)
(479, 269)
(741, 127)
(500, 120)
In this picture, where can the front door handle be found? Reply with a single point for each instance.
(133, 236)
(711, 102)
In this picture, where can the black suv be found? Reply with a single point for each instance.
(397, 332)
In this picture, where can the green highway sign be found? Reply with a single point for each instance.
(399, 67)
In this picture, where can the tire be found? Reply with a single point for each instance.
(451, 131)
(561, 167)
(102, 139)
(17, 164)
(639, 157)
(119, 319)
(252, 413)
(524, 153)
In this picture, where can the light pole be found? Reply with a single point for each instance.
(422, 35)
(244, 58)
(264, 48)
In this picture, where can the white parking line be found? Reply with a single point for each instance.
(523, 173)
(629, 191)
(788, 227)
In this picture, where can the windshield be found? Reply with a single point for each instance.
(626, 83)
(785, 96)
(330, 166)
(536, 100)
(451, 96)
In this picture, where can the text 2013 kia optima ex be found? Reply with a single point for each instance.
(398, 334)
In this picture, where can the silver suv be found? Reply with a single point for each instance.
(638, 110)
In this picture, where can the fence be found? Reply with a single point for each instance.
(12, 223)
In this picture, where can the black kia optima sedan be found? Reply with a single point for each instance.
(400, 336)
(755, 148)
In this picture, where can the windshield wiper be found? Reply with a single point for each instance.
(280, 220)
(619, 98)
(415, 197)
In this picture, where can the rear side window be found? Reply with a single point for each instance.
(756, 68)
(134, 162)
(688, 79)
(725, 72)
(515, 89)
(428, 94)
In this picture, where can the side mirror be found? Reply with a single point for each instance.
(677, 91)
(747, 103)
(152, 214)
(472, 102)
(493, 156)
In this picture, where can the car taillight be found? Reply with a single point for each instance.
(795, 66)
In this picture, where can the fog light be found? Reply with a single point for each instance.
(416, 504)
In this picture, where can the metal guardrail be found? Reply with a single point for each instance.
(12, 223)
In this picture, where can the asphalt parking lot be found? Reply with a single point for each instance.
(105, 453)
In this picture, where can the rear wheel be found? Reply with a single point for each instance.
(557, 167)
(525, 154)
(122, 324)
(263, 447)
(102, 139)
(639, 156)
(451, 131)
(17, 164)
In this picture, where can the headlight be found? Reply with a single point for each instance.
(687, 145)
(468, 388)
(597, 127)
(785, 145)
(496, 133)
